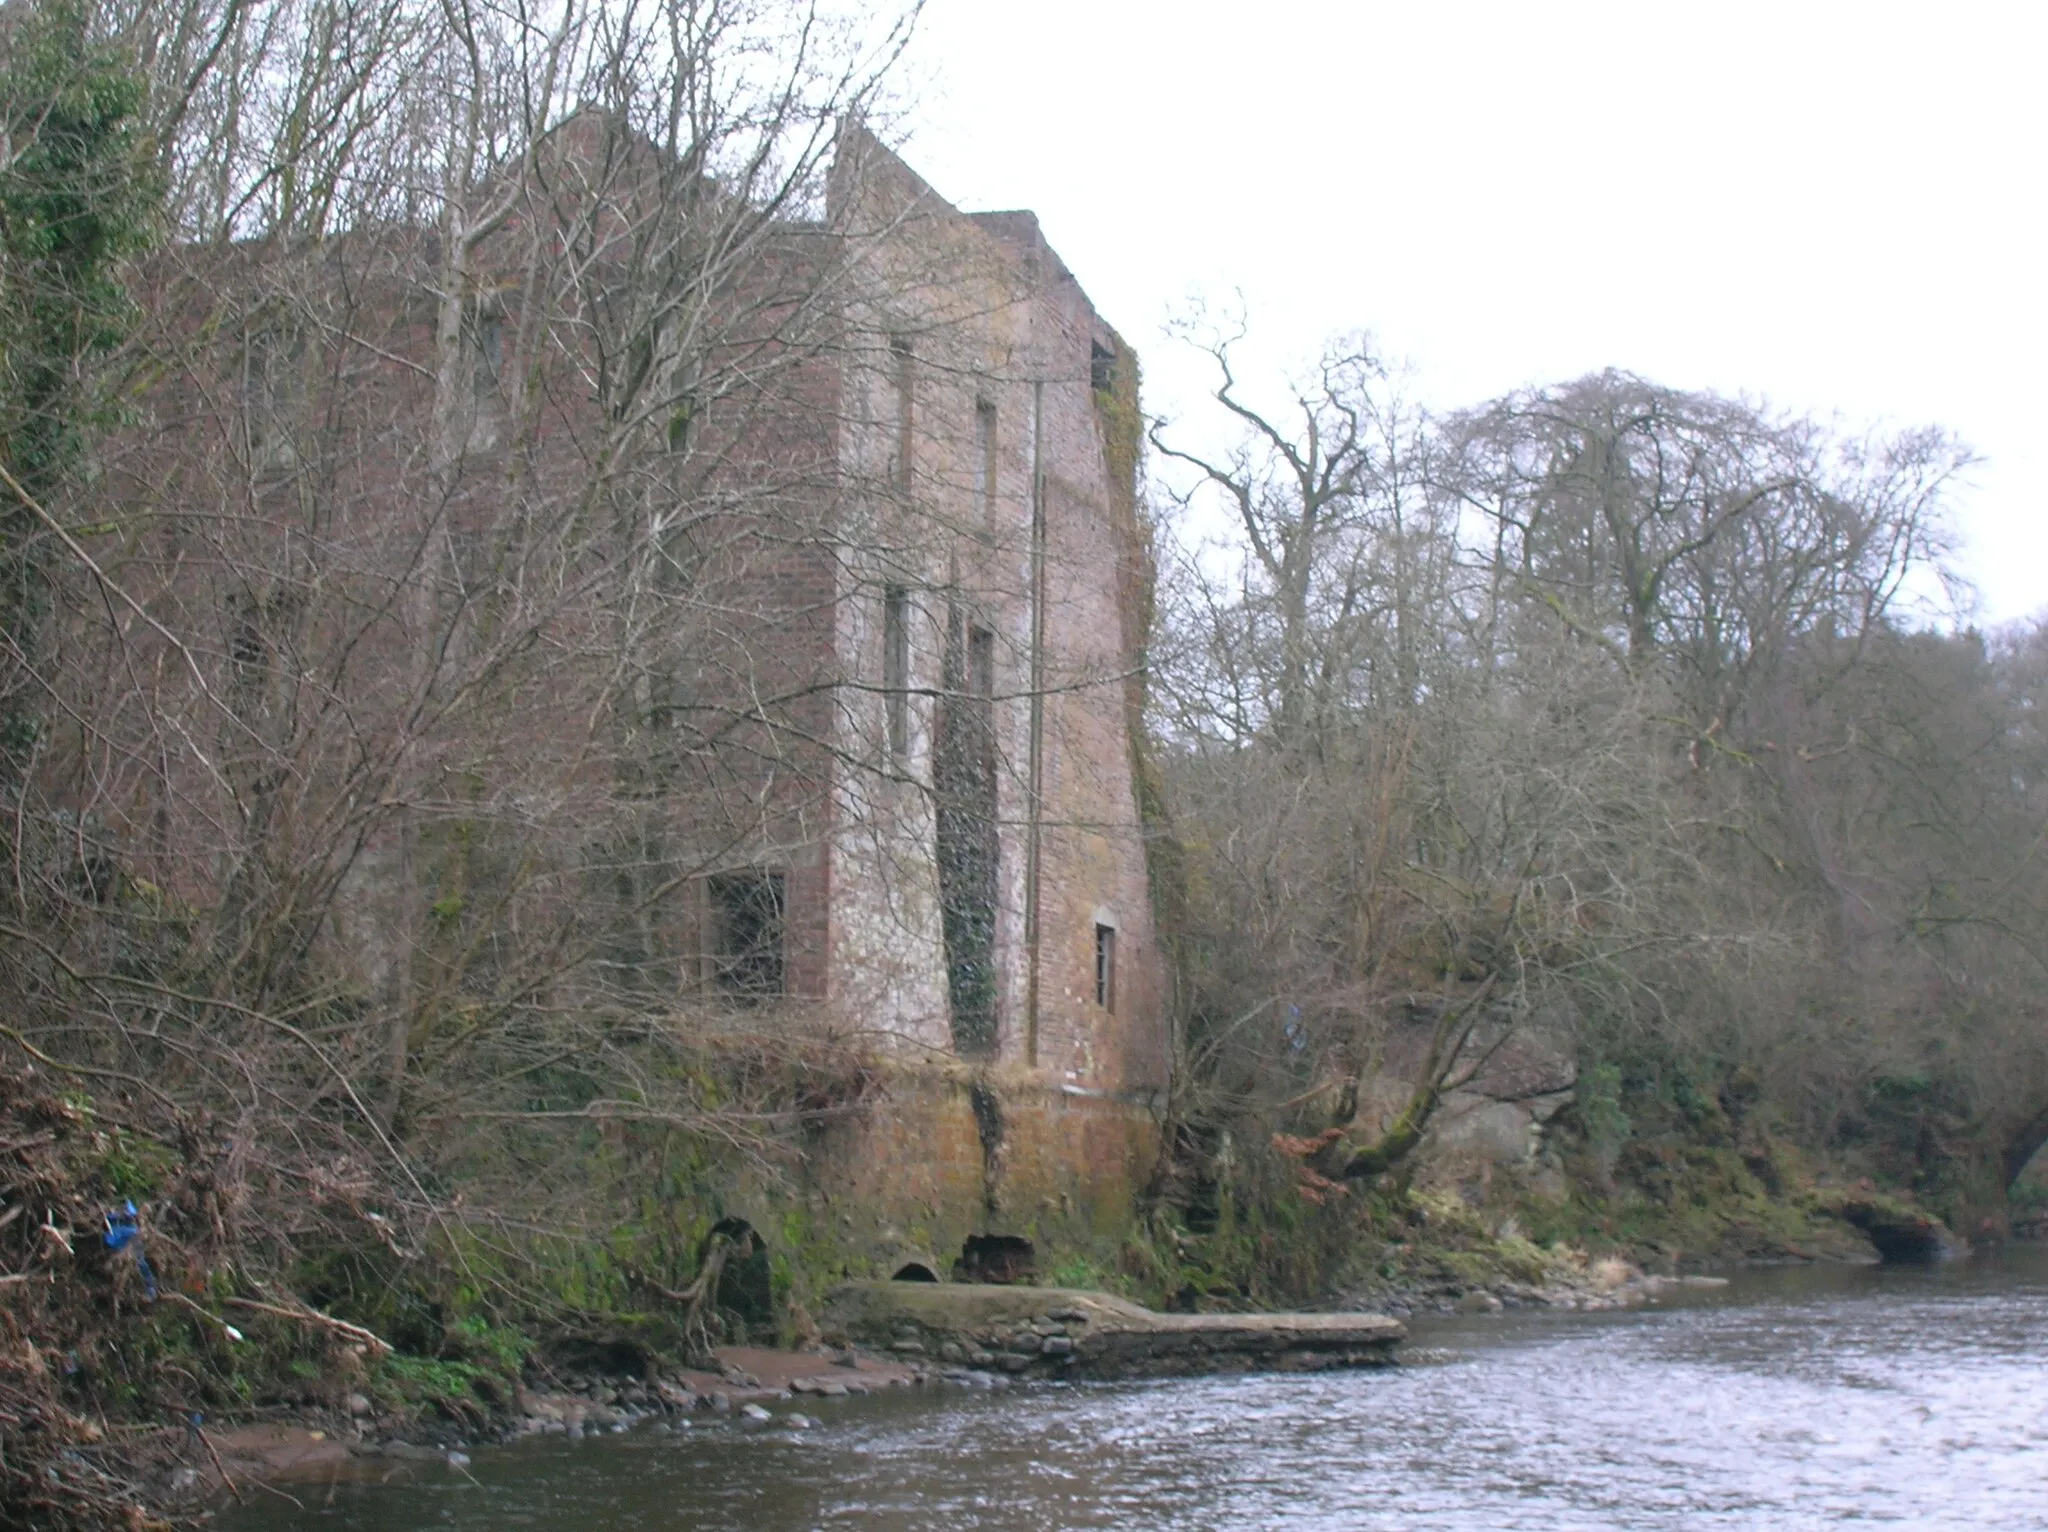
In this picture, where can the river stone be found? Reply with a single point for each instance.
(832, 1388)
(358, 1405)
(755, 1413)
(1058, 1345)
(952, 1351)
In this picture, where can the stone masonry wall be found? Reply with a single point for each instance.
(998, 333)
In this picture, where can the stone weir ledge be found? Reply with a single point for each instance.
(1056, 1332)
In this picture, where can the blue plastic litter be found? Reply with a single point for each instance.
(123, 1225)
(124, 1228)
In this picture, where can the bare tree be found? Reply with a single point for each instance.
(446, 618)
(1697, 533)
(1598, 705)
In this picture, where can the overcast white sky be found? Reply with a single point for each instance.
(1837, 207)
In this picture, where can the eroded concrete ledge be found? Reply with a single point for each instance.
(1071, 1333)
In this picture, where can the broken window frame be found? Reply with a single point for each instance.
(746, 933)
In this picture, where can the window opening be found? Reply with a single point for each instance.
(981, 670)
(1105, 967)
(906, 413)
(487, 341)
(1101, 368)
(680, 421)
(271, 396)
(985, 459)
(746, 912)
(896, 668)
(964, 782)
(680, 386)
(246, 647)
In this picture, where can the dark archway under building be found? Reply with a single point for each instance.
(998, 1258)
(746, 1288)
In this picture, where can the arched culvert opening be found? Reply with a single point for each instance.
(745, 1286)
(996, 1258)
(913, 1271)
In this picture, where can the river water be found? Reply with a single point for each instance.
(1793, 1398)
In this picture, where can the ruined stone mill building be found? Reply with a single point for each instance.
(1006, 422)
(603, 636)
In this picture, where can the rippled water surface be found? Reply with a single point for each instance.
(1913, 1398)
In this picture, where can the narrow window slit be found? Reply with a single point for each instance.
(896, 669)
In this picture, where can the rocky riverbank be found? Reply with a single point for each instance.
(914, 1335)
(753, 1387)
